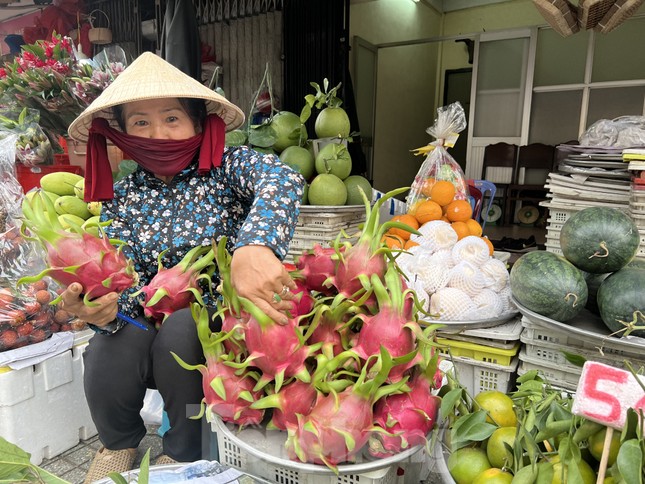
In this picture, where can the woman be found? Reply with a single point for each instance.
(187, 191)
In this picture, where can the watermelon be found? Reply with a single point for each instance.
(599, 239)
(621, 300)
(548, 284)
(593, 283)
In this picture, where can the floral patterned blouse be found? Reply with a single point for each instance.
(252, 198)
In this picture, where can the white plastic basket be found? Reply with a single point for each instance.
(504, 336)
(330, 219)
(555, 374)
(261, 452)
(556, 249)
(539, 334)
(478, 376)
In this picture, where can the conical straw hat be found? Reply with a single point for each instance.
(151, 77)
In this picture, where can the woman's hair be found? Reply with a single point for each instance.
(196, 109)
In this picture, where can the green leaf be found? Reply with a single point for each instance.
(471, 427)
(263, 136)
(117, 478)
(573, 471)
(305, 113)
(448, 402)
(237, 137)
(310, 99)
(545, 473)
(574, 359)
(630, 462)
(631, 425)
(144, 469)
(528, 376)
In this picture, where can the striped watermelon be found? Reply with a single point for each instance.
(621, 301)
(599, 239)
(549, 285)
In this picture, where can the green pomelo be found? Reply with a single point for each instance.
(300, 159)
(288, 129)
(335, 159)
(332, 122)
(549, 285)
(599, 239)
(327, 189)
(354, 197)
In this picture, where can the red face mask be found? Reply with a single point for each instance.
(159, 156)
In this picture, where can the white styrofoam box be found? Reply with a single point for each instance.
(43, 408)
(478, 376)
(261, 453)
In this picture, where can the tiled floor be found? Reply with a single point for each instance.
(73, 464)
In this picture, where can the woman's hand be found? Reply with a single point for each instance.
(100, 315)
(258, 275)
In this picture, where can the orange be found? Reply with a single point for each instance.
(406, 219)
(560, 471)
(442, 192)
(491, 247)
(393, 241)
(426, 187)
(494, 476)
(467, 463)
(499, 407)
(410, 243)
(461, 228)
(444, 218)
(498, 455)
(427, 211)
(474, 227)
(459, 211)
(597, 443)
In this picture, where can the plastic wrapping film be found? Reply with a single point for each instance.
(439, 165)
(26, 315)
(33, 147)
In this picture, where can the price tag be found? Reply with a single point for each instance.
(605, 393)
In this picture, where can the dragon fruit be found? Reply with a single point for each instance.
(76, 255)
(316, 266)
(408, 417)
(340, 424)
(391, 327)
(176, 288)
(227, 393)
(359, 262)
(295, 398)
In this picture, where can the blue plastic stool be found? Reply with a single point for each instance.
(488, 189)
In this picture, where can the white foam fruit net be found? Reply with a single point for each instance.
(489, 304)
(443, 256)
(496, 274)
(451, 304)
(472, 249)
(436, 234)
(505, 296)
(467, 277)
(416, 285)
(433, 276)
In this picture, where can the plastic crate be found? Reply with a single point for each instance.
(479, 376)
(43, 408)
(539, 334)
(303, 242)
(478, 352)
(233, 454)
(556, 249)
(555, 354)
(554, 374)
(330, 219)
(558, 216)
(504, 336)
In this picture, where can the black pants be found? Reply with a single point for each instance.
(118, 369)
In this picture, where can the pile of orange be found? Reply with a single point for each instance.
(440, 204)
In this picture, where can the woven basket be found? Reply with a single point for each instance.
(99, 35)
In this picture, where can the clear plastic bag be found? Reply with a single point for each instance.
(439, 165)
(32, 144)
(621, 132)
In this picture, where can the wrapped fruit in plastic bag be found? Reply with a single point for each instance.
(440, 177)
(33, 147)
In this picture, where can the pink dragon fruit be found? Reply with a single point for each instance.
(368, 256)
(390, 327)
(295, 398)
(316, 266)
(176, 288)
(279, 351)
(226, 392)
(76, 255)
(304, 302)
(340, 424)
(407, 418)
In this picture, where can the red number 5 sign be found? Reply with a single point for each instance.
(605, 393)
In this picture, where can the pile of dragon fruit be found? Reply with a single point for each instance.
(351, 372)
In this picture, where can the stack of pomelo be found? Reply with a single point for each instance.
(440, 204)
